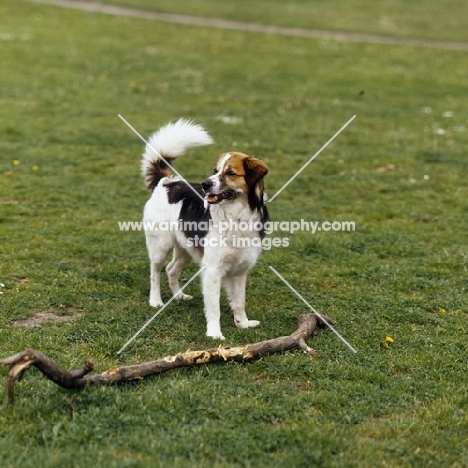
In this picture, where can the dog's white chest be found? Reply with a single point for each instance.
(232, 251)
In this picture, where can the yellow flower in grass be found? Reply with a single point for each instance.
(16, 162)
(34, 168)
(388, 341)
(442, 310)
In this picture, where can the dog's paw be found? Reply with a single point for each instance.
(247, 324)
(183, 297)
(215, 334)
(156, 303)
(216, 337)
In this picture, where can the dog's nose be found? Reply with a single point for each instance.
(206, 184)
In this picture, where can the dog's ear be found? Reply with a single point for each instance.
(255, 170)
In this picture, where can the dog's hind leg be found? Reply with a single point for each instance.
(179, 260)
(157, 252)
(235, 288)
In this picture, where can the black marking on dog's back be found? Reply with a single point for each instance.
(193, 214)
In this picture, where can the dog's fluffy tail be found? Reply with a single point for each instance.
(169, 142)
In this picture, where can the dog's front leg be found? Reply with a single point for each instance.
(211, 294)
(235, 288)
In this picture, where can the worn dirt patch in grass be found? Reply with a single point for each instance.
(44, 316)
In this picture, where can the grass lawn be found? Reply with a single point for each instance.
(69, 171)
(443, 20)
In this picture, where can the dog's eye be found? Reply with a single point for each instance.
(230, 173)
(214, 170)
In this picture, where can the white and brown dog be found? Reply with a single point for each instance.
(211, 217)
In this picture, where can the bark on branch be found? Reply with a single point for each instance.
(21, 362)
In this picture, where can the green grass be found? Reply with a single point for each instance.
(66, 75)
(442, 20)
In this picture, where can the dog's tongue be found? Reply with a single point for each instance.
(212, 198)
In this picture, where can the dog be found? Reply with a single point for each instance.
(211, 220)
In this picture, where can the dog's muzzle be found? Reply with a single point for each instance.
(214, 197)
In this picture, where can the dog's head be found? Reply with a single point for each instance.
(236, 176)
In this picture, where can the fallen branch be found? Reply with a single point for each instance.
(21, 362)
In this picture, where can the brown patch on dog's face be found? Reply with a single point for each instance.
(231, 173)
(236, 176)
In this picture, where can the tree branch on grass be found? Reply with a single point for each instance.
(21, 362)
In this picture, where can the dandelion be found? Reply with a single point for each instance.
(441, 131)
(426, 177)
(34, 168)
(427, 110)
(442, 310)
(16, 162)
(447, 114)
(388, 341)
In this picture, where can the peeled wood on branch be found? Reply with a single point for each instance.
(21, 362)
